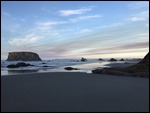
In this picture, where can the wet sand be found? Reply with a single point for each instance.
(73, 91)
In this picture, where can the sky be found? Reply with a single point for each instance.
(75, 29)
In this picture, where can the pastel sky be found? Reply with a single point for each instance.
(75, 29)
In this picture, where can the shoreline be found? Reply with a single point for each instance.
(73, 91)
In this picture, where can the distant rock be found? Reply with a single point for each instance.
(23, 56)
(100, 59)
(70, 68)
(47, 66)
(122, 59)
(43, 63)
(83, 60)
(112, 59)
(20, 64)
(140, 69)
(12, 66)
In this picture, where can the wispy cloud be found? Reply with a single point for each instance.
(23, 41)
(141, 16)
(6, 14)
(73, 12)
(86, 30)
(135, 19)
(51, 23)
(138, 5)
(84, 18)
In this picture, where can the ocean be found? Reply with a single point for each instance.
(55, 65)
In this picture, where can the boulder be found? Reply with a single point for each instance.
(12, 66)
(70, 68)
(83, 60)
(100, 59)
(122, 59)
(23, 56)
(20, 64)
(112, 59)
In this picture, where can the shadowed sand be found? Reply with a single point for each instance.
(74, 91)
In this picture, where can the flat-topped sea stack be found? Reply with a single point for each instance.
(23, 56)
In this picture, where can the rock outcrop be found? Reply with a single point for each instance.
(70, 68)
(83, 60)
(100, 59)
(23, 56)
(20, 64)
(139, 69)
(112, 59)
(122, 59)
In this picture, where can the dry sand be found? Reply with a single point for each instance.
(74, 91)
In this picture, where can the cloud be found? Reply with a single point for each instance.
(73, 12)
(135, 19)
(50, 23)
(84, 18)
(27, 40)
(119, 49)
(86, 30)
(138, 5)
(6, 14)
(141, 16)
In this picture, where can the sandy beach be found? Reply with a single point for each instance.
(73, 91)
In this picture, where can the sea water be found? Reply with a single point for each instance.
(55, 65)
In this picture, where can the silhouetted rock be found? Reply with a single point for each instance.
(23, 56)
(46, 66)
(112, 59)
(140, 69)
(70, 68)
(122, 59)
(20, 64)
(100, 59)
(43, 63)
(83, 59)
(12, 66)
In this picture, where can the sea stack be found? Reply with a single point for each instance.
(23, 56)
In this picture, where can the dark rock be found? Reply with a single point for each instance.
(46, 66)
(70, 68)
(23, 56)
(112, 59)
(83, 59)
(140, 69)
(100, 59)
(122, 59)
(20, 64)
(43, 63)
(12, 66)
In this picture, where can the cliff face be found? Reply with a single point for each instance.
(23, 56)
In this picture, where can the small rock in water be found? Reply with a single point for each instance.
(112, 59)
(83, 59)
(20, 64)
(70, 68)
(122, 59)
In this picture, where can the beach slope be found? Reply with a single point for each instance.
(73, 91)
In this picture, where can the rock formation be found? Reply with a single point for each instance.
(83, 59)
(20, 64)
(100, 59)
(112, 59)
(71, 68)
(23, 56)
(122, 59)
(139, 69)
